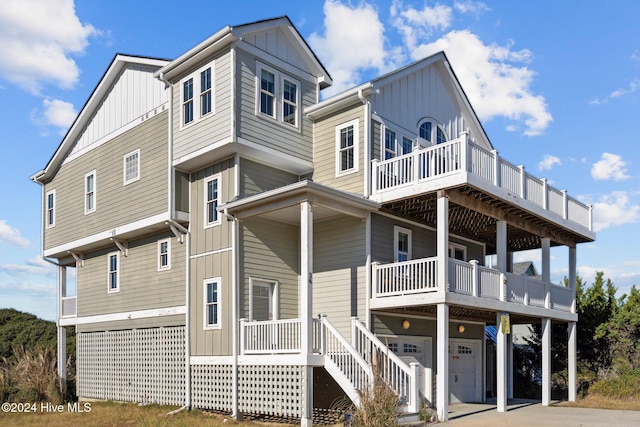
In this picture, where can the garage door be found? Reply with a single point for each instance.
(463, 378)
(415, 349)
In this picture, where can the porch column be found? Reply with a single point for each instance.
(510, 364)
(442, 246)
(62, 332)
(546, 362)
(572, 277)
(501, 245)
(442, 349)
(572, 354)
(501, 365)
(306, 308)
(546, 269)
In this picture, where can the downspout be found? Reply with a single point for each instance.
(367, 194)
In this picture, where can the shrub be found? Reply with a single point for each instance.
(625, 386)
(378, 402)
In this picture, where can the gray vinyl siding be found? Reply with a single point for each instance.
(376, 140)
(114, 205)
(142, 286)
(339, 279)
(210, 238)
(263, 130)
(150, 322)
(211, 342)
(271, 252)
(211, 128)
(257, 178)
(325, 151)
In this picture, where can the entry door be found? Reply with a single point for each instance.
(463, 371)
(263, 300)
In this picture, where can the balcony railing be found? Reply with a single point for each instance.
(270, 337)
(469, 278)
(461, 155)
(68, 307)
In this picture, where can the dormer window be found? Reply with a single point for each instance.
(431, 133)
(277, 96)
(197, 95)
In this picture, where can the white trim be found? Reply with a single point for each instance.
(452, 249)
(211, 360)
(106, 235)
(272, 286)
(218, 282)
(126, 181)
(278, 94)
(219, 251)
(197, 93)
(93, 191)
(207, 180)
(53, 209)
(117, 272)
(131, 315)
(356, 147)
(168, 266)
(397, 230)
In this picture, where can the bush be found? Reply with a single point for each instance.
(625, 386)
(378, 403)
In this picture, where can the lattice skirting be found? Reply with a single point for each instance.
(139, 365)
(268, 390)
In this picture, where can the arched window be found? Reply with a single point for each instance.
(431, 132)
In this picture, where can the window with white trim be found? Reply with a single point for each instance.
(402, 243)
(429, 132)
(389, 144)
(277, 96)
(457, 251)
(164, 254)
(50, 200)
(347, 136)
(212, 303)
(113, 272)
(131, 167)
(197, 95)
(90, 192)
(212, 195)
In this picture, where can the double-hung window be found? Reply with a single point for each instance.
(113, 272)
(402, 244)
(197, 95)
(164, 254)
(205, 91)
(212, 196)
(211, 303)
(278, 96)
(347, 148)
(290, 102)
(389, 144)
(90, 192)
(131, 167)
(187, 101)
(267, 93)
(50, 201)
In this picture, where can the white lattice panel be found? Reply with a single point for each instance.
(212, 387)
(271, 390)
(139, 365)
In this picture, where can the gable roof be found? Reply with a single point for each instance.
(231, 34)
(111, 75)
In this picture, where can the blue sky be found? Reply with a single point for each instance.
(556, 86)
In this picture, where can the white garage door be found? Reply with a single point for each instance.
(464, 360)
(415, 349)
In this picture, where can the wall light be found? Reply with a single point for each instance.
(406, 324)
(461, 328)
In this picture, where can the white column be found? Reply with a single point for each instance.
(546, 362)
(510, 364)
(306, 308)
(442, 246)
(501, 245)
(501, 366)
(442, 349)
(546, 269)
(572, 353)
(62, 332)
(572, 277)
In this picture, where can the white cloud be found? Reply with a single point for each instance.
(610, 166)
(548, 162)
(12, 235)
(495, 78)
(614, 209)
(34, 266)
(633, 86)
(37, 38)
(475, 7)
(353, 40)
(414, 24)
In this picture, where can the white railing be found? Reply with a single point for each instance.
(395, 372)
(68, 306)
(561, 297)
(490, 281)
(406, 277)
(462, 155)
(270, 337)
(460, 277)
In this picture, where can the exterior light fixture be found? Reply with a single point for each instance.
(406, 324)
(461, 328)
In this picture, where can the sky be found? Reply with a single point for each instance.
(556, 86)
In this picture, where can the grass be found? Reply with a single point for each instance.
(604, 402)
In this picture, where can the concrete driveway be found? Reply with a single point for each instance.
(533, 414)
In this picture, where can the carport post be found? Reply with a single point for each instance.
(442, 383)
(501, 364)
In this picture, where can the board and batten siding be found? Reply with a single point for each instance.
(134, 94)
(114, 201)
(339, 271)
(214, 127)
(265, 131)
(211, 342)
(325, 151)
(142, 286)
(425, 93)
(210, 238)
(271, 252)
(257, 178)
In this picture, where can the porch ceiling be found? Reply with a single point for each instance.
(473, 214)
(459, 313)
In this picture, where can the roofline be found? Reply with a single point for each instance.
(339, 101)
(118, 62)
